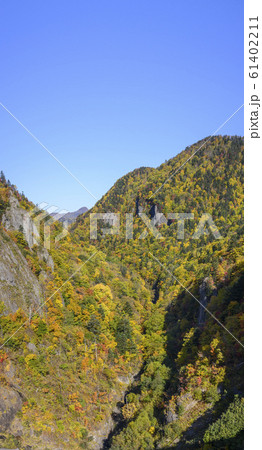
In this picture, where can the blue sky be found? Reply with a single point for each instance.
(109, 86)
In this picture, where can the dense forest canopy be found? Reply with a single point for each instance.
(119, 311)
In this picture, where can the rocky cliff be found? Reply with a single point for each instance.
(19, 287)
(17, 218)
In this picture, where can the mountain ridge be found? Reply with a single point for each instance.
(69, 217)
(114, 314)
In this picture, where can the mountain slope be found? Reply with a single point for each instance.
(20, 288)
(210, 183)
(211, 269)
(118, 317)
(73, 359)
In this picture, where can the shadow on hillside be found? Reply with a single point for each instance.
(192, 438)
(119, 421)
(235, 443)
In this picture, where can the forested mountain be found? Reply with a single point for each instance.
(122, 355)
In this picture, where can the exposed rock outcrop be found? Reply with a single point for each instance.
(43, 254)
(139, 208)
(19, 287)
(205, 293)
(10, 404)
(16, 218)
(11, 400)
(203, 300)
(101, 435)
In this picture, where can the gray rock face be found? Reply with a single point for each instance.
(10, 404)
(187, 401)
(19, 287)
(128, 379)
(139, 208)
(43, 254)
(100, 435)
(203, 300)
(32, 348)
(11, 399)
(159, 219)
(171, 416)
(16, 217)
(205, 295)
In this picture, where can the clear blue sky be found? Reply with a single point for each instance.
(109, 86)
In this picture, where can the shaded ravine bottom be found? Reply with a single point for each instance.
(117, 417)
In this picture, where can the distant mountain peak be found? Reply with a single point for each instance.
(70, 216)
